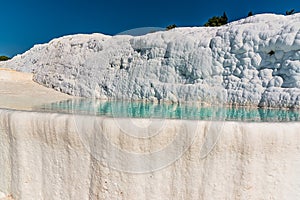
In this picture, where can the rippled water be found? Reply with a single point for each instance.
(169, 111)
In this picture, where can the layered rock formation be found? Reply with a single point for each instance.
(253, 61)
(55, 156)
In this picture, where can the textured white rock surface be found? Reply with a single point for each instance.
(43, 156)
(2, 195)
(253, 61)
(19, 91)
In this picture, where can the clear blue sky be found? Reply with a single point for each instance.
(29, 22)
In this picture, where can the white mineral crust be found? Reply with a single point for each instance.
(253, 61)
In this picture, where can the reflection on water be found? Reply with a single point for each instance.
(170, 111)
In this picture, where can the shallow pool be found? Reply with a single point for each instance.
(170, 111)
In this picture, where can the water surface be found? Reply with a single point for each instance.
(169, 111)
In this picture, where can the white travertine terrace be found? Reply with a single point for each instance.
(19, 92)
(253, 61)
(56, 156)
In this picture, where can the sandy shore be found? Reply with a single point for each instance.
(18, 91)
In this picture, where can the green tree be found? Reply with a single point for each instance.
(217, 21)
(171, 27)
(4, 58)
(290, 12)
(225, 18)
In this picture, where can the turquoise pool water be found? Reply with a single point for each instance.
(169, 111)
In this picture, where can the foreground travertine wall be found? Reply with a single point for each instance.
(56, 156)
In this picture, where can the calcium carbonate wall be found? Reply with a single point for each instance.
(57, 156)
(253, 61)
